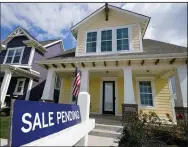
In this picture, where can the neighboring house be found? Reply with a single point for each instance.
(20, 76)
(122, 72)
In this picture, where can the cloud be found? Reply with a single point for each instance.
(168, 21)
(53, 20)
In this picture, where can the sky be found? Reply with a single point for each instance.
(53, 20)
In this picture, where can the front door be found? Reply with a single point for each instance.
(108, 97)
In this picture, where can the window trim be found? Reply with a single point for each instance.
(114, 40)
(14, 48)
(152, 80)
(16, 88)
(123, 39)
(91, 42)
(105, 41)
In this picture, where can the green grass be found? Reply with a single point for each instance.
(4, 127)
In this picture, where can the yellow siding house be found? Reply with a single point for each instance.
(122, 72)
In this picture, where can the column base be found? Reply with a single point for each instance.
(129, 112)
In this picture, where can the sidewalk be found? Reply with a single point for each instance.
(101, 141)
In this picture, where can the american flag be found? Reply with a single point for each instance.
(76, 85)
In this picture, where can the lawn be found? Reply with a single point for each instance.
(4, 127)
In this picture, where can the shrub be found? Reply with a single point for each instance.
(149, 130)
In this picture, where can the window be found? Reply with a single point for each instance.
(106, 40)
(91, 42)
(57, 82)
(14, 55)
(122, 39)
(19, 87)
(146, 95)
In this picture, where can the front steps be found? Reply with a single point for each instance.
(106, 132)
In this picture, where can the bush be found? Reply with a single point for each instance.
(149, 130)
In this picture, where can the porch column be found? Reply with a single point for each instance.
(181, 90)
(84, 87)
(48, 92)
(29, 88)
(129, 107)
(4, 86)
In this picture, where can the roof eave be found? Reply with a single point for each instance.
(136, 57)
(36, 44)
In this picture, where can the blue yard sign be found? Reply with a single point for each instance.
(34, 120)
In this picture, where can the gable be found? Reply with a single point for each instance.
(31, 41)
(116, 16)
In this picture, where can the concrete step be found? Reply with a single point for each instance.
(114, 128)
(109, 131)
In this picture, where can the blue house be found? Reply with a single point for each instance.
(20, 76)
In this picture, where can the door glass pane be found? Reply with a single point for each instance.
(108, 100)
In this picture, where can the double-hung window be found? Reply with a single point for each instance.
(122, 39)
(106, 40)
(14, 55)
(19, 87)
(146, 93)
(91, 44)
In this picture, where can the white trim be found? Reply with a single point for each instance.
(114, 41)
(140, 37)
(31, 56)
(47, 45)
(20, 29)
(115, 57)
(4, 86)
(29, 89)
(151, 79)
(112, 7)
(14, 49)
(116, 92)
(172, 100)
(23, 85)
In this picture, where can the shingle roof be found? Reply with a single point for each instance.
(47, 42)
(150, 47)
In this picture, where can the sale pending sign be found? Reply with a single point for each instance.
(34, 120)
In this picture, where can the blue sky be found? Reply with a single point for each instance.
(53, 20)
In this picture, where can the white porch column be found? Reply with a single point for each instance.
(48, 91)
(181, 86)
(5, 85)
(128, 87)
(84, 87)
(29, 88)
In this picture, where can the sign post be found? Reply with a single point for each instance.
(10, 123)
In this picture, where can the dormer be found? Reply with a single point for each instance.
(110, 30)
(19, 47)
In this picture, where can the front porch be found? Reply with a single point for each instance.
(122, 87)
(16, 83)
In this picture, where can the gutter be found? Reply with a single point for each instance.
(112, 58)
(47, 45)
